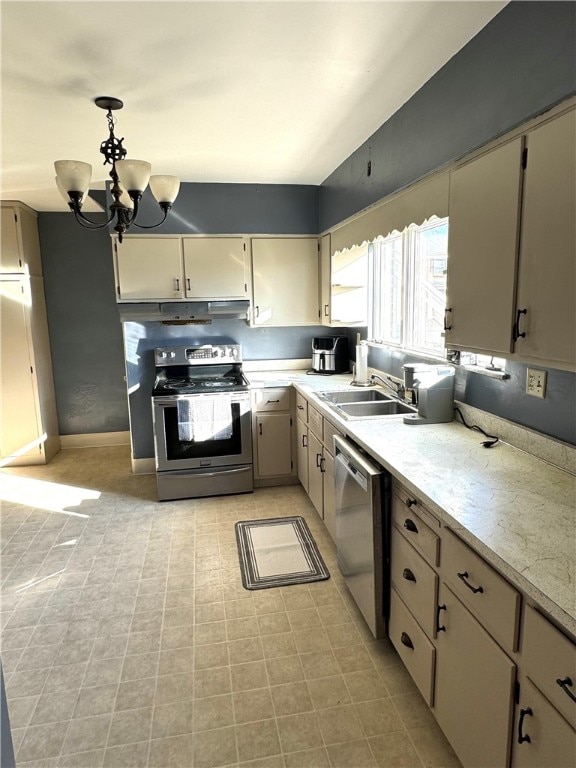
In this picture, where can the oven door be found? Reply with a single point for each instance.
(172, 453)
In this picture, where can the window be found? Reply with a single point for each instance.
(409, 288)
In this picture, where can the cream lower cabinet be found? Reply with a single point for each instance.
(302, 452)
(315, 474)
(285, 281)
(545, 728)
(474, 688)
(272, 436)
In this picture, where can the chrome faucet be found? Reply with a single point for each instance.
(398, 389)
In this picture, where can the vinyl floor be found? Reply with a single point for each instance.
(128, 640)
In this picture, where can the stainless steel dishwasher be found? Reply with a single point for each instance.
(362, 490)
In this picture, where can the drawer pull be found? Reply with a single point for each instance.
(566, 684)
(408, 575)
(272, 401)
(410, 525)
(438, 627)
(521, 736)
(405, 640)
(411, 503)
(463, 576)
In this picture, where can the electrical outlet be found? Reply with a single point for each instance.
(536, 382)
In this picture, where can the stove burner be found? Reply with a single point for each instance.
(176, 383)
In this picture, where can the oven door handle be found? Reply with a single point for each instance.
(223, 472)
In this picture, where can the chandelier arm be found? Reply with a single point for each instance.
(165, 208)
(87, 223)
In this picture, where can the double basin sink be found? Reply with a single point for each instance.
(364, 404)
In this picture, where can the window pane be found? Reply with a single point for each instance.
(389, 309)
(429, 286)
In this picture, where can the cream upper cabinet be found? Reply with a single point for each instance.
(325, 272)
(484, 217)
(20, 251)
(149, 268)
(547, 277)
(349, 287)
(285, 281)
(215, 268)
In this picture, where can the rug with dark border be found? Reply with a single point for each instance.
(278, 552)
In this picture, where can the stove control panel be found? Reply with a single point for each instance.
(204, 354)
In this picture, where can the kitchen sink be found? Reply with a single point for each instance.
(360, 396)
(370, 409)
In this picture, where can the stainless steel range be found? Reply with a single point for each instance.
(202, 422)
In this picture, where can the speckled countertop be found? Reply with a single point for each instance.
(517, 511)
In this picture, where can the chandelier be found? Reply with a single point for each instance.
(129, 180)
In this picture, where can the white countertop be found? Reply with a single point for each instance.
(517, 511)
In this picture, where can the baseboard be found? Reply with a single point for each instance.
(94, 440)
(143, 466)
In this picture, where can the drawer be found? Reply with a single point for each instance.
(490, 598)
(329, 431)
(273, 399)
(302, 407)
(414, 648)
(548, 656)
(415, 582)
(408, 519)
(315, 420)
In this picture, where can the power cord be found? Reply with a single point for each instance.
(486, 443)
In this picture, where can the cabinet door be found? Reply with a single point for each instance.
(474, 684)
(315, 476)
(329, 495)
(548, 246)
(542, 738)
(10, 257)
(215, 268)
(19, 427)
(302, 438)
(484, 215)
(274, 444)
(325, 287)
(149, 268)
(285, 279)
(349, 287)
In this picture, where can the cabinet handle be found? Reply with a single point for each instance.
(566, 683)
(322, 464)
(272, 401)
(260, 428)
(463, 576)
(304, 441)
(326, 307)
(300, 407)
(440, 628)
(446, 326)
(411, 503)
(521, 737)
(177, 283)
(410, 525)
(318, 460)
(257, 308)
(516, 329)
(408, 575)
(188, 283)
(405, 640)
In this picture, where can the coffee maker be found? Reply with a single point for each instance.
(432, 388)
(330, 354)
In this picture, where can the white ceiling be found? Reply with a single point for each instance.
(269, 92)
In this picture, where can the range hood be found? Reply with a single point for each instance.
(186, 311)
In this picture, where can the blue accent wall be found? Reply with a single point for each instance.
(521, 64)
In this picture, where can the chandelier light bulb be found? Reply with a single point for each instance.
(133, 174)
(73, 175)
(165, 188)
